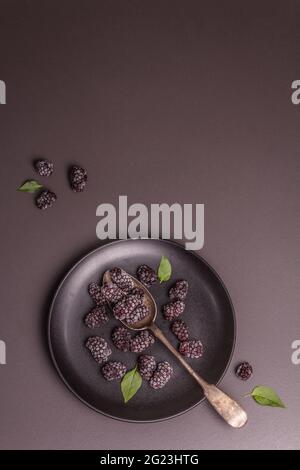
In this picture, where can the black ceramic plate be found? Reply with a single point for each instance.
(209, 315)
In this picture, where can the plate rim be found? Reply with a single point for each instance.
(69, 272)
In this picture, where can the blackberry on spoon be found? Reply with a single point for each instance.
(121, 278)
(138, 314)
(124, 308)
(112, 293)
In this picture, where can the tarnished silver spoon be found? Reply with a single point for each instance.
(228, 408)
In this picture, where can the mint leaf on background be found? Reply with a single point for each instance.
(266, 396)
(30, 186)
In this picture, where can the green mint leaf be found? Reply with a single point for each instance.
(130, 384)
(266, 396)
(30, 186)
(164, 270)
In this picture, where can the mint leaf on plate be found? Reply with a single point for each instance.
(266, 396)
(30, 186)
(164, 270)
(130, 384)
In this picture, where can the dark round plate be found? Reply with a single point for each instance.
(209, 315)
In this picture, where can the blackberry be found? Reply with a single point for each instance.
(146, 275)
(141, 341)
(122, 279)
(98, 348)
(173, 309)
(125, 307)
(244, 371)
(44, 167)
(146, 366)
(161, 375)
(180, 330)
(96, 293)
(192, 349)
(179, 290)
(112, 293)
(113, 370)
(121, 338)
(138, 314)
(138, 292)
(78, 179)
(45, 199)
(96, 317)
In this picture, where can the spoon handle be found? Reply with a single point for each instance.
(228, 408)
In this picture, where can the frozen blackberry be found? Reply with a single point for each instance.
(95, 292)
(44, 167)
(121, 338)
(179, 290)
(146, 366)
(141, 341)
(192, 349)
(173, 309)
(98, 348)
(180, 330)
(113, 370)
(78, 179)
(161, 375)
(138, 292)
(45, 199)
(112, 293)
(146, 275)
(122, 279)
(96, 317)
(125, 307)
(138, 314)
(244, 371)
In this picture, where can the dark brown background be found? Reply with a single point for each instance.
(164, 101)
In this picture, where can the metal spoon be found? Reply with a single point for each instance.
(228, 408)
